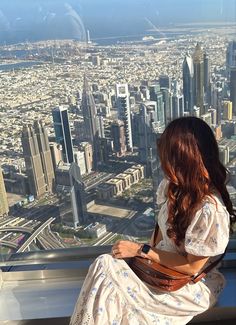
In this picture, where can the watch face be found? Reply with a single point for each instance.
(146, 248)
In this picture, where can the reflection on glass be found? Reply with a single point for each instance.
(119, 72)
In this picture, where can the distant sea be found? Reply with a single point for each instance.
(20, 65)
(138, 38)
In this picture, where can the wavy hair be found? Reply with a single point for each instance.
(189, 157)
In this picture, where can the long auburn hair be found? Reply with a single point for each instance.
(189, 157)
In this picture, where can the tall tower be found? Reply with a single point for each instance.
(177, 106)
(227, 110)
(144, 130)
(124, 114)
(167, 102)
(88, 155)
(157, 96)
(63, 133)
(206, 78)
(33, 163)
(4, 209)
(231, 57)
(198, 63)
(45, 153)
(233, 88)
(118, 136)
(77, 192)
(188, 91)
(91, 125)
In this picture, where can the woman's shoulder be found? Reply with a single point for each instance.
(213, 203)
(211, 213)
(208, 232)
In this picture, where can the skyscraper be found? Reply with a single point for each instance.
(56, 153)
(233, 88)
(33, 163)
(4, 209)
(91, 125)
(188, 90)
(227, 110)
(156, 95)
(165, 81)
(63, 133)
(198, 84)
(118, 137)
(77, 192)
(230, 57)
(124, 114)
(45, 153)
(167, 102)
(88, 155)
(145, 131)
(177, 106)
(206, 78)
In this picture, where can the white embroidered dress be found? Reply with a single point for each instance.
(113, 295)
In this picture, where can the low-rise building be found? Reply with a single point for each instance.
(126, 179)
(105, 191)
(117, 184)
(96, 230)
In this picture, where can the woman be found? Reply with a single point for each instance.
(194, 223)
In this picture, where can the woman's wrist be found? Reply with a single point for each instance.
(143, 250)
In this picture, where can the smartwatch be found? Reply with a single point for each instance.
(144, 249)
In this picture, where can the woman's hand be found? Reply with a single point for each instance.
(125, 248)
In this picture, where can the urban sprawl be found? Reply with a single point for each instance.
(79, 124)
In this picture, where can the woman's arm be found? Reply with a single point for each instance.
(190, 264)
(159, 238)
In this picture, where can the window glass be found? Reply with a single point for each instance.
(87, 88)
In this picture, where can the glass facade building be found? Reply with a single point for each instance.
(63, 133)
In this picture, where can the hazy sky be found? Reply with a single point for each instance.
(105, 17)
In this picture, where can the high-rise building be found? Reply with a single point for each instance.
(213, 116)
(118, 137)
(56, 153)
(230, 57)
(45, 153)
(33, 162)
(91, 126)
(198, 84)
(77, 191)
(188, 90)
(206, 78)
(104, 146)
(80, 161)
(124, 114)
(227, 110)
(177, 106)
(101, 130)
(233, 89)
(4, 209)
(167, 102)
(88, 155)
(156, 95)
(207, 117)
(165, 81)
(63, 133)
(144, 133)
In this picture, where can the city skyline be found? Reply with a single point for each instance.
(102, 129)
